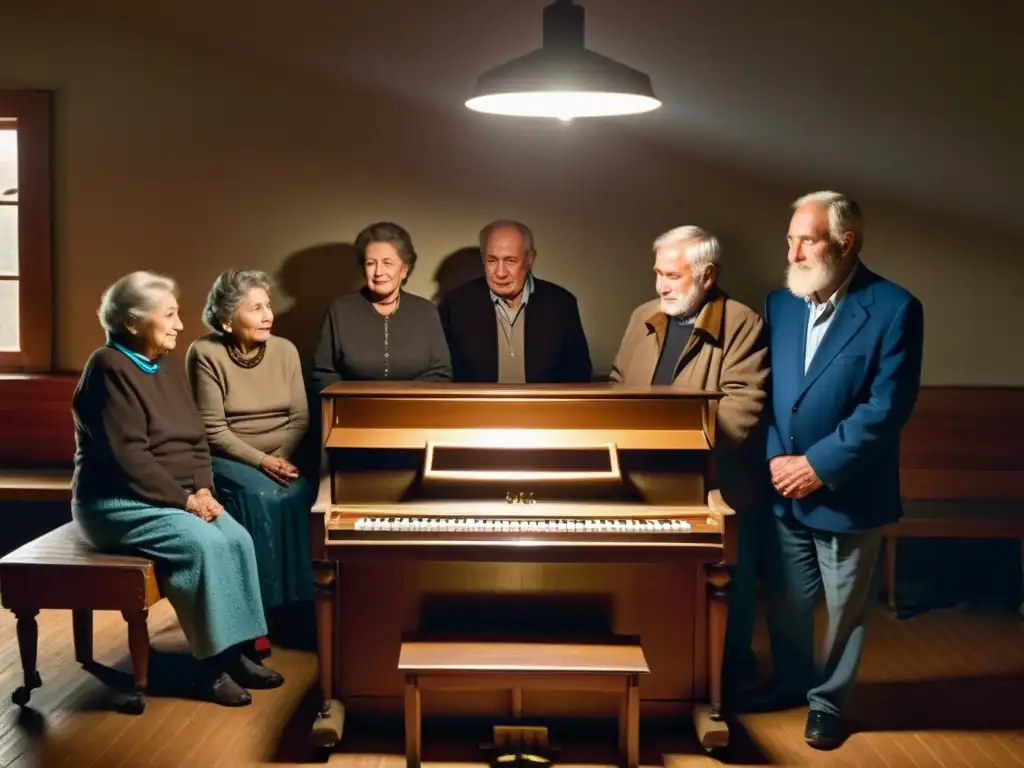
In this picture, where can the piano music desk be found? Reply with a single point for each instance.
(613, 666)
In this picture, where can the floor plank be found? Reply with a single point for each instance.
(941, 689)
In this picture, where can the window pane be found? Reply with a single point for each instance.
(8, 202)
(8, 240)
(10, 325)
(8, 164)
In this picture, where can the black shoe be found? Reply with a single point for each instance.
(249, 674)
(824, 730)
(770, 697)
(221, 689)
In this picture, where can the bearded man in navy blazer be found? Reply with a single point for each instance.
(845, 348)
(509, 327)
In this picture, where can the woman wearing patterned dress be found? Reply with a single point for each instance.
(248, 387)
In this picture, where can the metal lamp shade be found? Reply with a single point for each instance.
(563, 79)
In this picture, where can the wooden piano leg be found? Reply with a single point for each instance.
(327, 726)
(629, 725)
(413, 723)
(709, 720)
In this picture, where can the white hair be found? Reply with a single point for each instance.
(703, 251)
(133, 296)
(844, 216)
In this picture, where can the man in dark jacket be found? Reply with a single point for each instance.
(509, 327)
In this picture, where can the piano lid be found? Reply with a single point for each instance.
(432, 389)
(411, 415)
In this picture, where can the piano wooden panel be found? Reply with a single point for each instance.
(382, 600)
(659, 584)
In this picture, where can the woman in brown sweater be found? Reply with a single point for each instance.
(247, 384)
(143, 484)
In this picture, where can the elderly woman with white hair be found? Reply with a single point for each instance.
(248, 386)
(143, 484)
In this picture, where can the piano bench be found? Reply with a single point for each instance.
(61, 570)
(955, 519)
(611, 664)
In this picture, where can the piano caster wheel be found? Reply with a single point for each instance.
(22, 694)
(713, 734)
(327, 730)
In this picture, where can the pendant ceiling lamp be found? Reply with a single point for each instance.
(563, 79)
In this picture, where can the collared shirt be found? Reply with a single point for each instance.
(511, 336)
(502, 307)
(820, 318)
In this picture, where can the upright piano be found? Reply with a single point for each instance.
(490, 479)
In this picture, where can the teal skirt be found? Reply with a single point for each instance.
(206, 570)
(277, 519)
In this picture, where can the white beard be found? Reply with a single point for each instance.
(805, 279)
(683, 305)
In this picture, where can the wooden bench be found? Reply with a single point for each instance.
(35, 485)
(37, 437)
(61, 570)
(611, 665)
(961, 470)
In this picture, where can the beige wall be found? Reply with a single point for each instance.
(189, 162)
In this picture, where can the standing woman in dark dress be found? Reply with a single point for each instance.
(381, 332)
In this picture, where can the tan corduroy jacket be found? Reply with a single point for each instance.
(726, 352)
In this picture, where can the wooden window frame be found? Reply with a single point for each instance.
(32, 111)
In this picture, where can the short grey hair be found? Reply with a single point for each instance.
(844, 215)
(132, 297)
(703, 251)
(524, 232)
(228, 292)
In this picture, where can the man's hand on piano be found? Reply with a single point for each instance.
(279, 469)
(793, 476)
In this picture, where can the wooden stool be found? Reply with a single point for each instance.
(610, 665)
(61, 570)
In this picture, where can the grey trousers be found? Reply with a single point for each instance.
(799, 564)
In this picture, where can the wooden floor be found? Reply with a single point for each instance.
(943, 689)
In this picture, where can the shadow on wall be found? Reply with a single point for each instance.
(457, 268)
(312, 278)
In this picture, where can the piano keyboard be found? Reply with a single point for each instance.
(493, 525)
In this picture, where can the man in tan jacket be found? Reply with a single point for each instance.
(693, 336)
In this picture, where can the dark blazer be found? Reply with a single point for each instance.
(556, 347)
(846, 413)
